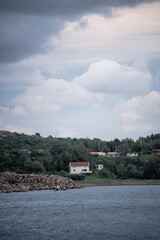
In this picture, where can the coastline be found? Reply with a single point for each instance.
(117, 182)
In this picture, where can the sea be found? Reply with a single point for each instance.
(91, 213)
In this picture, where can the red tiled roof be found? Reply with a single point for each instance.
(94, 152)
(79, 164)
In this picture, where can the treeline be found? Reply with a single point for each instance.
(141, 167)
(26, 154)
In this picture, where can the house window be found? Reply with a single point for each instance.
(84, 170)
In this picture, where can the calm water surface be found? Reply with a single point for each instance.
(124, 212)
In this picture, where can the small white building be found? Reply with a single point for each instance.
(79, 167)
(99, 166)
(132, 154)
(98, 153)
(112, 154)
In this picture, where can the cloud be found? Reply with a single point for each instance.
(141, 128)
(26, 26)
(19, 129)
(20, 75)
(100, 86)
(4, 110)
(110, 77)
(18, 111)
(130, 116)
(23, 36)
(53, 94)
(132, 33)
(148, 104)
(66, 132)
(67, 8)
(141, 114)
(102, 78)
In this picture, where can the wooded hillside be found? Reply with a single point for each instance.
(35, 154)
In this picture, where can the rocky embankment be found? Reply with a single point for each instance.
(13, 182)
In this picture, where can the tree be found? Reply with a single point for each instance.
(132, 171)
(121, 171)
(136, 147)
(105, 173)
(156, 144)
(117, 143)
(105, 149)
(112, 166)
(124, 148)
(37, 134)
(33, 167)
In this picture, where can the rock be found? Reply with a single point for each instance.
(13, 182)
(4, 134)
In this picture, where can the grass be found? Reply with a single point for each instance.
(97, 180)
(91, 182)
(94, 176)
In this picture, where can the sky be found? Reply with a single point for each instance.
(80, 68)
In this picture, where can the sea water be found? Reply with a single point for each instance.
(95, 213)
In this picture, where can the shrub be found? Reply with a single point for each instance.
(77, 176)
(105, 173)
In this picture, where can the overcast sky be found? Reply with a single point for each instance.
(80, 68)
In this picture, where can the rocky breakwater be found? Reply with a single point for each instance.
(13, 182)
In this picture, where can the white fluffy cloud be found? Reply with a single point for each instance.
(101, 78)
(148, 104)
(111, 77)
(131, 33)
(52, 95)
(141, 114)
(103, 84)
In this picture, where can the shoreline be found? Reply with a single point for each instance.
(117, 182)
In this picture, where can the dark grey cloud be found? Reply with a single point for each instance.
(25, 35)
(25, 25)
(63, 7)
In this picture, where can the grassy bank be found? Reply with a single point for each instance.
(116, 182)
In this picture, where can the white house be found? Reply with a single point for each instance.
(112, 154)
(99, 166)
(79, 167)
(98, 153)
(132, 154)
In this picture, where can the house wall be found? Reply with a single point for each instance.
(99, 166)
(79, 170)
(112, 154)
(102, 154)
(132, 154)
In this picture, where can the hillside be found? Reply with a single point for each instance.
(22, 153)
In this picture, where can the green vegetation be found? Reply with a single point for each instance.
(117, 182)
(34, 154)
(94, 176)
